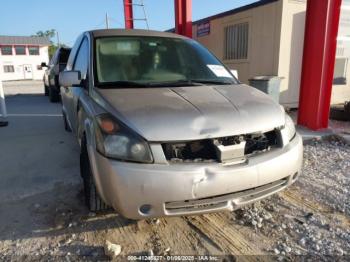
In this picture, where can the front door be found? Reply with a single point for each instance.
(28, 73)
(70, 95)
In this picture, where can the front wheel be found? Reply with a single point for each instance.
(92, 198)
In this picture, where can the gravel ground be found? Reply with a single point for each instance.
(312, 217)
(327, 174)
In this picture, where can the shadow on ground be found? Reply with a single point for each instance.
(50, 214)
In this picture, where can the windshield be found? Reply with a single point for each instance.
(151, 61)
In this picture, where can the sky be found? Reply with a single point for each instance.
(71, 17)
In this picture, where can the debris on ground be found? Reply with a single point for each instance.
(112, 250)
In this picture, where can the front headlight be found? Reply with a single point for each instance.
(289, 128)
(114, 140)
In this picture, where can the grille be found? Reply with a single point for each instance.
(207, 150)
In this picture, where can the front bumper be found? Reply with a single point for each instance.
(186, 189)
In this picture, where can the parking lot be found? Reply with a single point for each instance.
(43, 213)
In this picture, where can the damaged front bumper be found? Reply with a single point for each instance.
(140, 191)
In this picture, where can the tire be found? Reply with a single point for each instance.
(65, 122)
(340, 113)
(46, 90)
(347, 109)
(92, 199)
(53, 95)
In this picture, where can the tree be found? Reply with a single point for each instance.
(49, 34)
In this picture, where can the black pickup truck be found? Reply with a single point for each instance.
(56, 65)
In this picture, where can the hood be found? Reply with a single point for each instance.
(195, 112)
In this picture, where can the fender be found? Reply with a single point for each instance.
(85, 118)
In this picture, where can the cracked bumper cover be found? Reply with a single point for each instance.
(185, 189)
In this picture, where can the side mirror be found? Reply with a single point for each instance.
(235, 73)
(43, 64)
(69, 78)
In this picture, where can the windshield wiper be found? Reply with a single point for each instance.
(122, 84)
(211, 81)
(178, 83)
(191, 82)
(118, 84)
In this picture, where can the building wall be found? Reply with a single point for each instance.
(276, 42)
(20, 61)
(263, 47)
(341, 93)
(291, 53)
(291, 50)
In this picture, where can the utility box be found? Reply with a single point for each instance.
(268, 84)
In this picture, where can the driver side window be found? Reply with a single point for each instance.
(81, 61)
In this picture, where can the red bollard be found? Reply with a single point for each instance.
(321, 31)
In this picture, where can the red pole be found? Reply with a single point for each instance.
(188, 18)
(128, 14)
(321, 30)
(178, 17)
(183, 17)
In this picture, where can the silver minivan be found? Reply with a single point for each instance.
(165, 129)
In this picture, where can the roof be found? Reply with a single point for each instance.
(132, 32)
(236, 10)
(24, 40)
(231, 12)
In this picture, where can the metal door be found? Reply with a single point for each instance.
(28, 73)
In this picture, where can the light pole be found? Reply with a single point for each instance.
(107, 21)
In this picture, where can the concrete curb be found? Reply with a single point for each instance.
(310, 135)
(344, 137)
